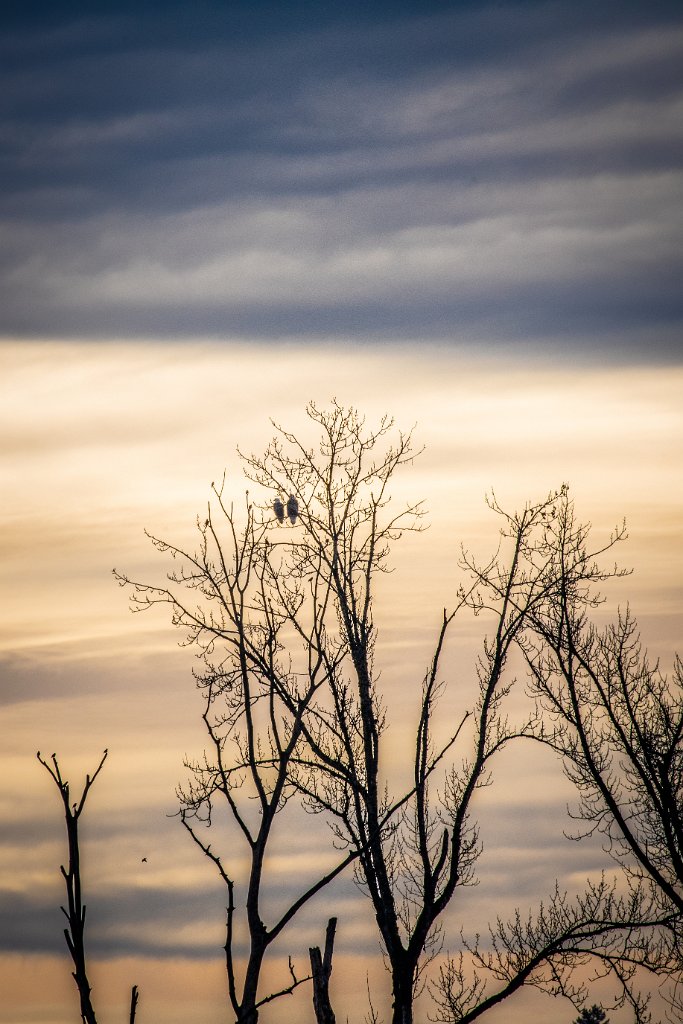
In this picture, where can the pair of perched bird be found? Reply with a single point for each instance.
(292, 509)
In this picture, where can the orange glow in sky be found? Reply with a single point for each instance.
(102, 440)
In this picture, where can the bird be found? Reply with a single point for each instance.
(279, 510)
(144, 860)
(292, 509)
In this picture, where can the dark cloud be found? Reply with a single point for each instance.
(158, 165)
(174, 903)
(33, 924)
(188, 920)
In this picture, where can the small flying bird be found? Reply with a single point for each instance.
(144, 860)
(292, 509)
(279, 510)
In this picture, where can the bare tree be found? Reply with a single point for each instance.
(343, 543)
(550, 950)
(617, 720)
(226, 597)
(282, 615)
(614, 718)
(416, 848)
(74, 911)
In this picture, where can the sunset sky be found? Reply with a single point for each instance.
(467, 215)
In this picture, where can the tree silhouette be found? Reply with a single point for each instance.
(282, 615)
(614, 718)
(620, 732)
(254, 708)
(75, 908)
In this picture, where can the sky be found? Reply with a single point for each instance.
(465, 214)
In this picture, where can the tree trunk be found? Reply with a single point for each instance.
(402, 1006)
(248, 1012)
(321, 969)
(134, 996)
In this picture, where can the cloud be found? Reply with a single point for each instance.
(482, 173)
(174, 904)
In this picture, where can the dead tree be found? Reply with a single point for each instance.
(134, 999)
(75, 908)
(321, 972)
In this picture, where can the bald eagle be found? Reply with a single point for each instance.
(279, 510)
(292, 509)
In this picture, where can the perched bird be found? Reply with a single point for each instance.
(279, 510)
(292, 509)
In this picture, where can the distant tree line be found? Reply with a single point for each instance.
(281, 613)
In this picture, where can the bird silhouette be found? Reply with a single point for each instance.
(279, 510)
(292, 509)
